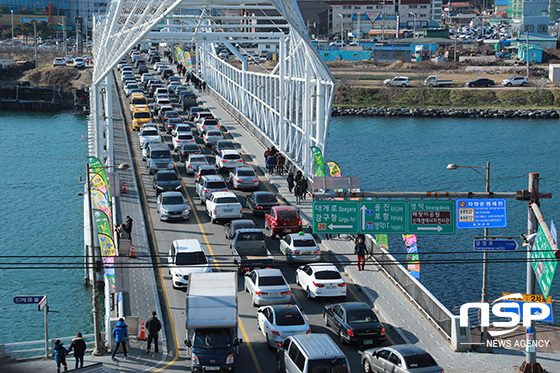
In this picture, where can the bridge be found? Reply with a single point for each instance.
(288, 106)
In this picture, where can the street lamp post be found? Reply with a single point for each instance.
(99, 348)
(341, 28)
(35, 36)
(12, 25)
(452, 166)
(414, 27)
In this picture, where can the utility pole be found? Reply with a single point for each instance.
(64, 34)
(527, 54)
(383, 22)
(12, 25)
(35, 36)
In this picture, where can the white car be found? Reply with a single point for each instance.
(228, 159)
(146, 76)
(180, 138)
(185, 257)
(244, 178)
(398, 81)
(181, 128)
(300, 247)
(279, 322)
(59, 61)
(321, 280)
(79, 62)
(223, 205)
(128, 88)
(267, 286)
(192, 163)
(202, 115)
(69, 58)
(516, 80)
(207, 124)
(148, 134)
(211, 137)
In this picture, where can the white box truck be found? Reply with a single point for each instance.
(211, 321)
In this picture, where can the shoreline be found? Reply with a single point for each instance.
(447, 113)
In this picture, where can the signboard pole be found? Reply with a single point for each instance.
(484, 330)
(46, 310)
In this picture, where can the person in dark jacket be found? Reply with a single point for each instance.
(280, 160)
(305, 188)
(299, 176)
(299, 190)
(361, 251)
(79, 346)
(270, 164)
(153, 325)
(60, 355)
(127, 226)
(120, 332)
(291, 181)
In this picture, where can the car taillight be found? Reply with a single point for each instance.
(224, 161)
(317, 252)
(190, 166)
(255, 180)
(261, 293)
(308, 331)
(318, 285)
(342, 285)
(238, 180)
(259, 207)
(241, 209)
(285, 292)
(274, 332)
(382, 330)
(177, 140)
(294, 251)
(214, 211)
(206, 191)
(350, 332)
(240, 160)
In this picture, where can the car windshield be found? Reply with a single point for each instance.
(327, 275)
(167, 176)
(225, 145)
(159, 154)
(197, 257)
(189, 146)
(150, 133)
(336, 365)
(214, 133)
(195, 110)
(271, 281)
(139, 101)
(212, 339)
(250, 236)
(216, 185)
(172, 200)
(207, 171)
(229, 156)
(287, 214)
(304, 243)
(141, 115)
(419, 361)
(245, 173)
(227, 200)
(198, 159)
(184, 136)
(289, 316)
(210, 122)
(361, 316)
(264, 198)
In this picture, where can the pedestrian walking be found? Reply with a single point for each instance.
(305, 187)
(361, 251)
(127, 226)
(270, 164)
(153, 325)
(266, 153)
(60, 353)
(280, 164)
(291, 181)
(79, 346)
(298, 191)
(298, 177)
(120, 333)
(273, 151)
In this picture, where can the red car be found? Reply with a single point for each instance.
(283, 220)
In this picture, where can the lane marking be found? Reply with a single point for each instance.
(249, 346)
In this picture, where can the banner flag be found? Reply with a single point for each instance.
(100, 203)
(98, 177)
(411, 243)
(102, 222)
(183, 57)
(382, 241)
(108, 251)
(319, 163)
(334, 170)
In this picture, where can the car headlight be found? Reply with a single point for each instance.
(194, 359)
(178, 187)
(163, 209)
(229, 359)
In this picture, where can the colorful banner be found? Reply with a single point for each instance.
(319, 162)
(183, 57)
(102, 222)
(411, 243)
(382, 241)
(334, 170)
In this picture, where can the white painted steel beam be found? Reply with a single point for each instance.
(289, 106)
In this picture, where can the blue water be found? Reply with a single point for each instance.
(410, 154)
(41, 158)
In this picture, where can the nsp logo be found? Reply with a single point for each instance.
(532, 311)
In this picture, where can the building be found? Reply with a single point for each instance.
(529, 16)
(459, 13)
(353, 17)
(315, 14)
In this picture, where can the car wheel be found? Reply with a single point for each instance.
(387, 85)
(508, 85)
(404, 85)
(488, 85)
(367, 366)
(254, 303)
(524, 84)
(326, 320)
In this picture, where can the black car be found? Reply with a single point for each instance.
(204, 170)
(142, 69)
(189, 148)
(354, 322)
(154, 58)
(234, 225)
(482, 82)
(166, 181)
(166, 73)
(223, 144)
(261, 202)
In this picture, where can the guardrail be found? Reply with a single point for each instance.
(9, 349)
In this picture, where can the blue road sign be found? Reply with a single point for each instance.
(481, 213)
(495, 245)
(28, 299)
(519, 310)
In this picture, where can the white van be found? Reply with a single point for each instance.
(306, 353)
(185, 257)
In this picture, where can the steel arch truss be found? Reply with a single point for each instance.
(290, 105)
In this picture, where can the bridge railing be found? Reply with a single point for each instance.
(7, 350)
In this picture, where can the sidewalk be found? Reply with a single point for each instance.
(142, 297)
(393, 305)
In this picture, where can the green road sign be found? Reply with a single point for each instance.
(544, 262)
(335, 217)
(431, 217)
(384, 217)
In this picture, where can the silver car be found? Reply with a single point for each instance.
(279, 322)
(267, 286)
(148, 134)
(244, 178)
(399, 359)
(300, 247)
(211, 137)
(172, 205)
(192, 163)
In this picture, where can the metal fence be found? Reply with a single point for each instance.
(7, 350)
(433, 309)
